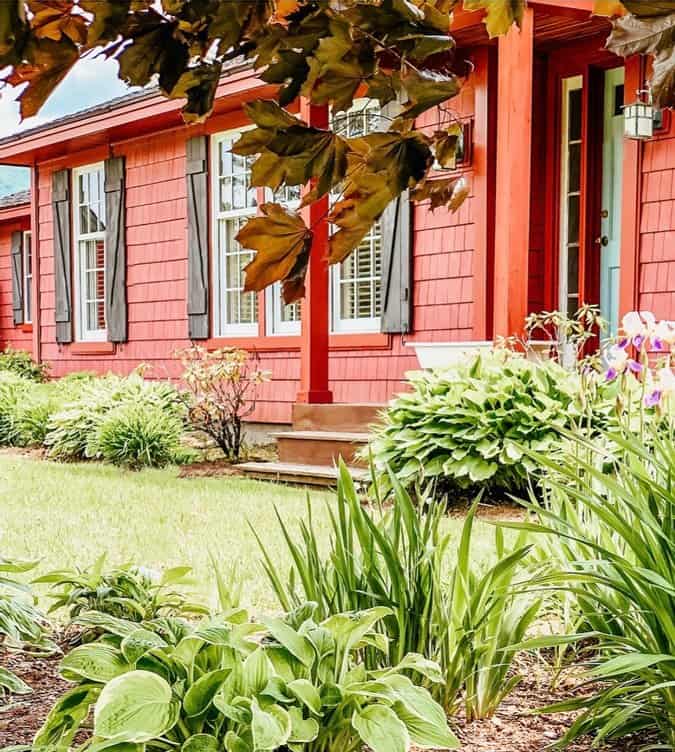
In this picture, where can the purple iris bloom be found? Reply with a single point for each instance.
(623, 343)
(611, 374)
(657, 344)
(634, 366)
(638, 340)
(653, 399)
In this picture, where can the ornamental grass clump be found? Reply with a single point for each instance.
(470, 425)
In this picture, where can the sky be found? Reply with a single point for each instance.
(90, 82)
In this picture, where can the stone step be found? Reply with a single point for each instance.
(321, 447)
(336, 417)
(306, 475)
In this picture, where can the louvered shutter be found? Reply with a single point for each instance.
(62, 256)
(17, 277)
(198, 246)
(115, 250)
(396, 288)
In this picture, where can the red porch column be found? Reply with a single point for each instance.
(514, 157)
(315, 307)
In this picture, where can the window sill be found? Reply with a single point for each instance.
(92, 348)
(26, 328)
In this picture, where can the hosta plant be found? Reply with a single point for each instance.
(228, 683)
(13, 390)
(399, 558)
(131, 592)
(22, 364)
(22, 626)
(73, 432)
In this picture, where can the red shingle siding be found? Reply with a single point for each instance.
(657, 227)
(443, 294)
(15, 336)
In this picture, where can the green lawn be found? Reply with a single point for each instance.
(68, 514)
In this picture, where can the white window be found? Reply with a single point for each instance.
(27, 278)
(356, 282)
(89, 240)
(234, 201)
(282, 318)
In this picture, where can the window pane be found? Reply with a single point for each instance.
(572, 269)
(575, 100)
(574, 167)
(573, 219)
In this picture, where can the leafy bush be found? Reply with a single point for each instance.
(128, 592)
(609, 524)
(22, 364)
(138, 436)
(224, 388)
(398, 560)
(22, 626)
(298, 685)
(73, 432)
(13, 390)
(469, 426)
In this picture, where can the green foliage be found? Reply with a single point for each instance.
(228, 683)
(608, 521)
(471, 425)
(397, 559)
(137, 436)
(13, 390)
(84, 428)
(22, 626)
(128, 592)
(22, 364)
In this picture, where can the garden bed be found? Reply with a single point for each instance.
(513, 729)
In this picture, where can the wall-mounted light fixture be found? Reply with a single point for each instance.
(641, 117)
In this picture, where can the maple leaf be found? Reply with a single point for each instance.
(446, 192)
(500, 14)
(282, 243)
(445, 145)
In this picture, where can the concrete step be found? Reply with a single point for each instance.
(306, 475)
(321, 447)
(335, 417)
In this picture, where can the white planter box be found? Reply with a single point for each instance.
(447, 354)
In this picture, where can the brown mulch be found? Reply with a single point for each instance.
(214, 465)
(513, 728)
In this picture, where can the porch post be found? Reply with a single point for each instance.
(315, 314)
(514, 157)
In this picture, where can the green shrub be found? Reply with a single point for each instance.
(13, 391)
(469, 426)
(398, 560)
(137, 436)
(73, 432)
(127, 592)
(22, 364)
(228, 683)
(608, 523)
(22, 626)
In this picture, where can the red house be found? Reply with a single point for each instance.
(126, 250)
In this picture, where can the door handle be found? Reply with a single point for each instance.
(602, 240)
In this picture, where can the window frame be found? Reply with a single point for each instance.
(82, 332)
(274, 304)
(220, 328)
(338, 323)
(27, 279)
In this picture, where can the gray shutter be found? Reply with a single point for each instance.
(115, 251)
(17, 277)
(396, 288)
(62, 256)
(198, 246)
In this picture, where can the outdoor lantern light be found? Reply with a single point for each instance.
(639, 117)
